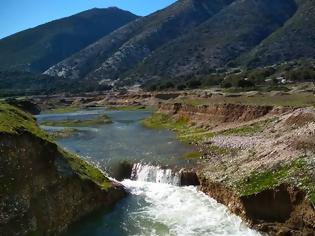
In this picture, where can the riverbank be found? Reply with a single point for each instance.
(44, 189)
(257, 160)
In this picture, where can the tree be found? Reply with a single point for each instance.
(245, 84)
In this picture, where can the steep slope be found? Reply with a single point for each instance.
(296, 39)
(234, 30)
(124, 48)
(39, 48)
(43, 188)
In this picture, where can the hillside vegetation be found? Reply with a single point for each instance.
(196, 38)
(124, 48)
(39, 48)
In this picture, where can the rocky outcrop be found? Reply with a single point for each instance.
(25, 105)
(188, 178)
(283, 210)
(123, 170)
(44, 189)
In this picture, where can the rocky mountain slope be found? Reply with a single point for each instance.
(129, 45)
(236, 29)
(194, 37)
(296, 39)
(43, 188)
(39, 48)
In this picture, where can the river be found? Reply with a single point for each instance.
(156, 205)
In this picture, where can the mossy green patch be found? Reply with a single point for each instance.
(248, 130)
(260, 181)
(87, 171)
(15, 121)
(192, 155)
(99, 120)
(312, 197)
(297, 173)
(185, 132)
(157, 121)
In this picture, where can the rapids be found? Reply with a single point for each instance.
(156, 205)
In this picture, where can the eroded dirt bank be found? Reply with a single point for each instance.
(257, 160)
(281, 210)
(215, 114)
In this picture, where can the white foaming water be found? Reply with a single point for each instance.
(155, 174)
(183, 211)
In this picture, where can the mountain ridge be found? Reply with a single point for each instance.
(209, 47)
(193, 38)
(135, 44)
(296, 39)
(38, 48)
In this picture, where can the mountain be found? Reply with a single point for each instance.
(129, 45)
(296, 39)
(233, 31)
(196, 37)
(39, 48)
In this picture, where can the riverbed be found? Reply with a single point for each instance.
(156, 206)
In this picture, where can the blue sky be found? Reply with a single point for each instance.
(17, 15)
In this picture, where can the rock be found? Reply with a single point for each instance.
(25, 105)
(44, 189)
(188, 178)
(271, 205)
(123, 171)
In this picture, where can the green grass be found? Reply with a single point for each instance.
(260, 181)
(157, 121)
(192, 155)
(248, 130)
(15, 121)
(185, 132)
(127, 108)
(103, 119)
(86, 170)
(297, 173)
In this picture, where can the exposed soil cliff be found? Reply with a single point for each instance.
(43, 188)
(257, 160)
(282, 210)
(219, 113)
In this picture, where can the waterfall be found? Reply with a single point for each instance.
(154, 174)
